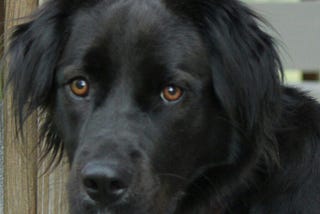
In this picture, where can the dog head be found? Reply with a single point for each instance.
(160, 106)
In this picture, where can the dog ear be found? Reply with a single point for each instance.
(246, 72)
(245, 63)
(33, 55)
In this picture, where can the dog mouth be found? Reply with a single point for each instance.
(155, 205)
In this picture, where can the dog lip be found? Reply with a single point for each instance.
(90, 206)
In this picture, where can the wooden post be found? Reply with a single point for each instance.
(1, 26)
(20, 167)
(1, 129)
(2, 12)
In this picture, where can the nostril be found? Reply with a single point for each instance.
(90, 184)
(116, 186)
(104, 184)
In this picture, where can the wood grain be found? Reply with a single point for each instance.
(52, 197)
(19, 160)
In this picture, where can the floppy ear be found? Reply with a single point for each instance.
(34, 52)
(246, 72)
(245, 66)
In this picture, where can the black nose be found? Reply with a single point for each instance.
(105, 183)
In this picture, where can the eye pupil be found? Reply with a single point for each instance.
(171, 90)
(80, 84)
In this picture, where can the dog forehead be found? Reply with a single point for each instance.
(120, 19)
(131, 32)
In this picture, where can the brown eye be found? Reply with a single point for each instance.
(79, 87)
(171, 93)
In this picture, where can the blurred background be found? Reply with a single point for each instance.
(297, 28)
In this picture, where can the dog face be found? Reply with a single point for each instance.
(147, 85)
(161, 107)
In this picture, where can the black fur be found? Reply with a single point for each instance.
(237, 141)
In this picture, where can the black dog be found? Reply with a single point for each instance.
(167, 106)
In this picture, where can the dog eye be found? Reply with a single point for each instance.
(79, 87)
(171, 93)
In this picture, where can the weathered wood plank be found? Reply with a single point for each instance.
(20, 166)
(52, 189)
(1, 128)
(1, 26)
